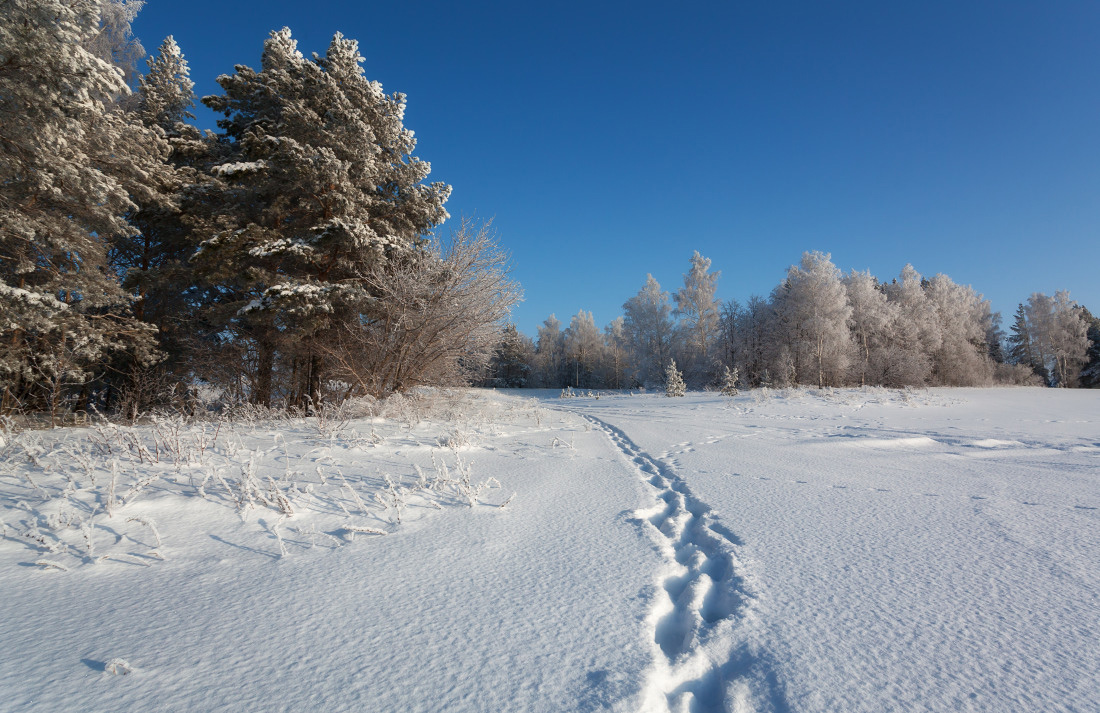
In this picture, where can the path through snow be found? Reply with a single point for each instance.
(705, 623)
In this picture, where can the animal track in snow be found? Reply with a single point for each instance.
(704, 618)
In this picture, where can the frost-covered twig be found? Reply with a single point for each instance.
(149, 523)
(118, 667)
(89, 543)
(355, 496)
(109, 503)
(279, 499)
(50, 564)
(283, 552)
(394, 497)
(352, 530)
(312, 533)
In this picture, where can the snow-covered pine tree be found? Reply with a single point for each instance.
(320, 187)
(995, 337)
(152, 262)
(511, 362)
(70, 161)
(1021, 348)
(674, 380)
(1090, 373)
(166, 93)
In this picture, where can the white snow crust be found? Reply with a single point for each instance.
(801, 550)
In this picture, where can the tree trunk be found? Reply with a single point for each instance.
(314, 383)
(265, 366)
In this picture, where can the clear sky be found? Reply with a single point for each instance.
(608, 140)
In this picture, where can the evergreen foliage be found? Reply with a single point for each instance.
(1090, 373)
(674, 380)
(319, 188)
(729, 381)
(290, 250)
(294, 253)
(72, 163)
(511, 362)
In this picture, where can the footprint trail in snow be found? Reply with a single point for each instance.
(708, 653)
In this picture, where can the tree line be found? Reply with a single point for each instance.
(285, 255)
(818, 327)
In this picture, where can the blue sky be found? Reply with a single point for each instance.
(608, 140)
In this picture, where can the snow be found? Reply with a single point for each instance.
(803, 550)
(233, 168)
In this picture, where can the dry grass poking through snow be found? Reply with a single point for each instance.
(78, 496)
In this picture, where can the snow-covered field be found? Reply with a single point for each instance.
(787, 551)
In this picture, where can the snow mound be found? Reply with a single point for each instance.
(888, 443)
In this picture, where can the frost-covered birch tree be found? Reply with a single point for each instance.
(812, 309)
(914, 335)
(617, 358)
(698, 310)
(648, 328)
(113, 39)
(583, 350)
(871, 317)
(550, 353)
(1059, 335)
(962, 357)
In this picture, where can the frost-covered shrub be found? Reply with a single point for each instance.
(77, 497)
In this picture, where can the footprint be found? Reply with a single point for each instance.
(691, 617)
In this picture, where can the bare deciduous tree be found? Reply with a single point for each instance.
(435, 317)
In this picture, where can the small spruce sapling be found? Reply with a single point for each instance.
(674, 380)
(729, 381)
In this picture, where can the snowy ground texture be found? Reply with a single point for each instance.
(777, 551)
